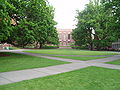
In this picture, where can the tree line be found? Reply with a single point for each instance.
(98, 25)
(24, 22)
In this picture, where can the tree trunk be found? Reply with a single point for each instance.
(91, 46)
(98, 47)
(40, 45)
(36, 45)
(23, 46)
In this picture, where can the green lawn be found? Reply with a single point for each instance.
(12, 61)
(80, 58)
(90, 78)
(70, 52)
(116, 62)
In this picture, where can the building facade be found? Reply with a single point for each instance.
(65, 37)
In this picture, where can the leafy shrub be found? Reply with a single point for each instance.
(50, 47)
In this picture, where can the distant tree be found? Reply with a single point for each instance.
(52, 37)
(52, 31)
(86, 20)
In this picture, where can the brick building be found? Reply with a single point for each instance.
(65, 37)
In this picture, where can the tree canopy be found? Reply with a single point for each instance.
(5, 21)
(33, 22)
(95, 26)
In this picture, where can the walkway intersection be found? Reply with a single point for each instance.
(16, 76)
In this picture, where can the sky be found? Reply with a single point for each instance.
(65, 12)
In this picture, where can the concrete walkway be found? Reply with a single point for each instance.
(16, 76)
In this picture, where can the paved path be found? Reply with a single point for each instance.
(108, 59)
(16, 76)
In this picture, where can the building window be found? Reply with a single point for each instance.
(64, 37)
(68, 36)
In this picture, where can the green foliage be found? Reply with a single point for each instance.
(79, 47)
(34, 22)
(22, 34)
(115, 6)
(94, 27)
(4, 20)
(49, 47)
(42, 15)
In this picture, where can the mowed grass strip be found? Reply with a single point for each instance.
(80, 58)
(90, 78)
(70, 52)
(13, 61)
(116, 62)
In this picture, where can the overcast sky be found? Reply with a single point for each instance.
(65, 11)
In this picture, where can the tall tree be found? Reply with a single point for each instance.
(41, 13)
(83, 33)
(94, 26)
(34, 23)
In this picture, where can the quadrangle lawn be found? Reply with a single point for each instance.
(80, 58)
(70, 52)
(90, 78)
(13, 61)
